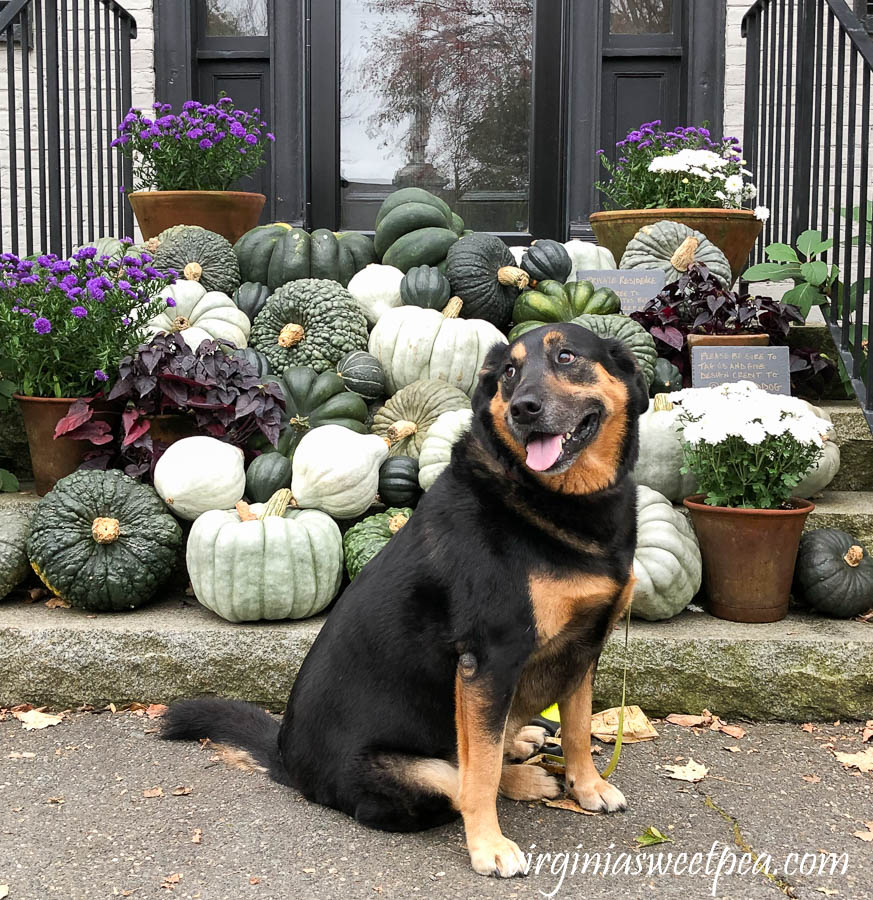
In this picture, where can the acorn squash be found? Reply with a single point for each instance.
(250, 297)
(196, 254)
(667, 378)
(365, 539)
(833, 574)
(398, 481)
(362, 373)
(102, 541)
(546, 260)
(309, 322)
(425, 286)
(266, 474)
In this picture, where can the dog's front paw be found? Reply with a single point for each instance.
(598, 795)
(526, 742)
(498, 856)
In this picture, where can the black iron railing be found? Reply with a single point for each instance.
(807, 135)
(66, 64)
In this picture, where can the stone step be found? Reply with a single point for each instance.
(850, 511)
(856, 447)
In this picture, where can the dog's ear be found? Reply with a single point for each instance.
(638, 389)
(488, 376)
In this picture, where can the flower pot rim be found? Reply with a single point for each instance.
(695, 502)
(38, 399)
(688, 211)
(184, 193)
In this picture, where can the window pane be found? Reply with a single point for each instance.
(641, 16)
(437, 95)
(230, 18)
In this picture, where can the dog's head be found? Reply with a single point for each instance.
(563, 404)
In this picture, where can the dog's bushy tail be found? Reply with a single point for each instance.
(234, 722)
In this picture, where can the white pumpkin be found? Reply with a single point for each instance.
(415, 344)
(823, 472)
(200, 315)
(588, 255)
(200, 473)
(376, 289)
(518, 253)
(436, 450)
(667, 563)
(336, 470)
(273, 563)
(660, 459)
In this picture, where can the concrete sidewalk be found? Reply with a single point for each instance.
(74, 824)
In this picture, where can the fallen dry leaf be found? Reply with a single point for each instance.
(864, 835)
(733, 731)
(155, 710)
(867, 734)
(171, 881)
(37, 593)
(25, 755)
(637, 727)
(57, 603)
(254, 880)
(568, 804)
(197, 837)
(808, 727)
(34, 719)
(862, 760)
(151, 793)
(733, 749)
(828, 892)
(812, 779)
(56, 800)
(182, 791)
(4, 891)
(686, 721)
(692, 771)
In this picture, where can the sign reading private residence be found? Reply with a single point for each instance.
(765, 366)
(635, 287)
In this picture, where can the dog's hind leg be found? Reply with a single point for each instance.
(522, 743)
(520, 782)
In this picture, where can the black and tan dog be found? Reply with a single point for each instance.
(493, 602)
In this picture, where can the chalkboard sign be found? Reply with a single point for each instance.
(765, 366)
(635, 287)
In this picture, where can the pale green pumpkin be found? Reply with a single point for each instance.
(265, 561)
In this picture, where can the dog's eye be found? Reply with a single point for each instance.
(565, 356)
(509, 371)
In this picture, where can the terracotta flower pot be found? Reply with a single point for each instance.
(229, 213)
(728, 340)
(733, 231)
(748, 557)
(53, 458)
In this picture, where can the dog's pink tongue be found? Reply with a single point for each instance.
(542, 451)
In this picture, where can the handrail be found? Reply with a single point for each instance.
(14, 7)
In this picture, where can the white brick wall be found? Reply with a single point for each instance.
(735, 68)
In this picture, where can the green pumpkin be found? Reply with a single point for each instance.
(398, 481)
(258, 361)
(278, 253)
(362, 373)
(413, 195)
(198, 255)
(546, 260)
(482, 272)
(310, 322)
(833, 574)
(633, 335)
(405, 419)
(365, 539)
(266, 474)
(425, 286)
(551, 301)
(250, 297)
(14, 531)
(265, 561)
(102, 541)
(667, 378)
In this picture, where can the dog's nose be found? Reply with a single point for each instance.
(526, 409)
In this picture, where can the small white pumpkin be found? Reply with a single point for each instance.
(588, 255)
(436, 449)
(823, 472)
(518, 253)
(660, 459)
(336, 470)
(667, 563)
(376, 289)
(265, 561)
(200, 315)
(200, 473)
(415, 344)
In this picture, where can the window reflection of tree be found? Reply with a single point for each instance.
(640, 16)
(454, 82)
(236, 17)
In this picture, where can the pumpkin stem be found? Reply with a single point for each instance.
(453, 308)
(193, 271)
(105, 530)
(152, 244)
(662, 403)
(278, 503)
(395, 523)
(513, 276)
(244, 511)
(400, 430)
(684, 255)
(854, 555)
(180, 323)
(290, 335)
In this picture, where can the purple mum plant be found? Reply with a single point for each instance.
(206, 147)
(66, 322)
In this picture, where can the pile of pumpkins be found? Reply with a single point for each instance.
(376, 345)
